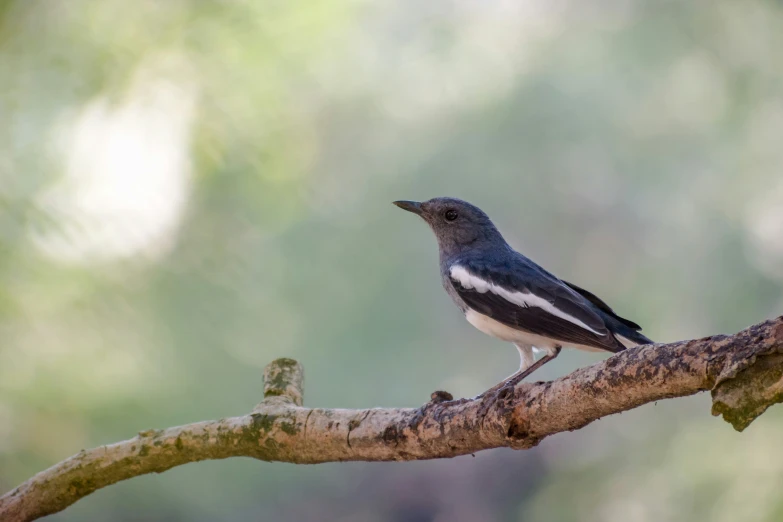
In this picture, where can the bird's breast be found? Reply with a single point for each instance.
(449, 287)
(497, 329)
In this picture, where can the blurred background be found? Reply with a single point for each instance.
(192, 188)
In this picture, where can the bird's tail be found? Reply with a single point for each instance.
(627, 336)
(625, 331)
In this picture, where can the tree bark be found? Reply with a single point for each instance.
(744, 373)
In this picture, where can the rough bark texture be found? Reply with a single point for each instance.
(743, 371)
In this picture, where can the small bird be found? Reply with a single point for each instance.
(506, 295)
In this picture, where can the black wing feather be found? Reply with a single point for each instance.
(534, 319)
(603, 306)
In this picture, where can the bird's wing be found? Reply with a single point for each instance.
(531, 300)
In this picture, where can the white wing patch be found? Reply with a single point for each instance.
(625, 341)
(523, 299)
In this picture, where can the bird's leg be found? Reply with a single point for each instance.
(526, 358)
(517, 377)
(524, 370)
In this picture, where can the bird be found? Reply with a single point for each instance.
(508, 296)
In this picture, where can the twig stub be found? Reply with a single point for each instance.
(284, 378)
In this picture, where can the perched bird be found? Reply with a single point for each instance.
(506, 295)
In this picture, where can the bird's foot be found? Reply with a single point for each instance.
(501, 389)
(500, 393)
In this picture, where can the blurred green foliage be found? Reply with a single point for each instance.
(189, 189)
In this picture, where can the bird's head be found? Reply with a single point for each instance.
(457, 224)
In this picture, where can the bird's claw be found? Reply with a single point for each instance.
(497, 391)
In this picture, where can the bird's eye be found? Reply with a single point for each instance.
(451, 215)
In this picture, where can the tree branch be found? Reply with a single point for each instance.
(743, 371)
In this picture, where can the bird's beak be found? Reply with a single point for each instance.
(410, 206)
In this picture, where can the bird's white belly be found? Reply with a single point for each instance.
(499, 330)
